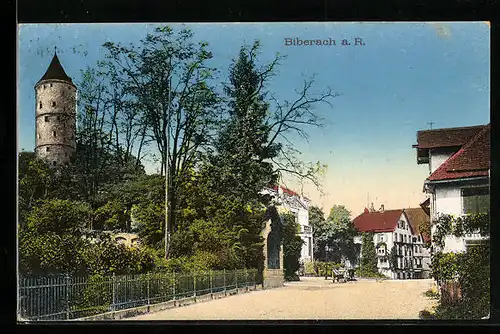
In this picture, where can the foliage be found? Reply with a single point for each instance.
(448, 225)
(368, 255)
(338, 213)
(431, 294)
(309, 268)
(337, 234)
(361, 272)
(36, 181)
(470, 269)
(292, 246)
(317, 221)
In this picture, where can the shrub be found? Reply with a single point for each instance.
(431, 293)
(309, 268)
(425, 314)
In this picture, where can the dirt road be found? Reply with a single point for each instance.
(312, 298)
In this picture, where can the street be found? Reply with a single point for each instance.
(313, 298)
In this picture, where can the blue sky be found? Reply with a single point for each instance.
(405, 75)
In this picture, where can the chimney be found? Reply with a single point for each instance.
(382, 208)
(372, 209)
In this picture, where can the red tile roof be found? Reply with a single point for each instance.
(286, 191)
(472, 160)
(385, 221)
(448, 137)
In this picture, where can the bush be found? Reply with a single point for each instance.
(424, 314)
(309, 268)
(292, 246)
(368, 273)
(431, 293)
(471, 271)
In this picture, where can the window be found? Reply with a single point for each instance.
(53, 103)
(53, 163)
(40, 105)
(309, 244)
(54, 134)
(50, 85)
(475, 200)
(43, 86)
(46, 118)
(47, 149)
(58, 118)
(39, 136)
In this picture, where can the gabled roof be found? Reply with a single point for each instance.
(447, 137)
(377, 221)
(55, 71)
(417, 217)
(472, 160)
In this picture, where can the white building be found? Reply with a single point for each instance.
(298, 205)
(395, 231)
(458, 182)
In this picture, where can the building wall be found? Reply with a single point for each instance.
(438, 156)
(307, 237)
(55, 124)
(448, 199)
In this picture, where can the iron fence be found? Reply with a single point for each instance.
(64, 297)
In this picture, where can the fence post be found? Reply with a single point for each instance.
(174, 285)
(211, 285)
(194, 285)
(114, 292)
(246, 280)
(224, 273)
(148, 278)
(67, 296)
(236, 279)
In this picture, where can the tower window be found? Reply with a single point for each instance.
(54, 134)
(50, 85)
(58, 118)
(39, 136)
(46, 118)
(43, 86)
(47, 149)
(54, 163)
(53, 103)
(40, 106)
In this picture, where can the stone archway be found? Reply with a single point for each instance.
(273, 274)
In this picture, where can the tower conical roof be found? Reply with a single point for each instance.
(55, 71)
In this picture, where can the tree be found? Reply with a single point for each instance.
(337, 234)
(318, 223)
(168, 77)
(36, 181)
(52, 236)
(292, 246)
(338, 213)
(368, 254)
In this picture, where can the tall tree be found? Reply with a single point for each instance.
(368, 254)
(318, 223)
(168, 76)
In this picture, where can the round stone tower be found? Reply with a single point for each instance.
(55, 115)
